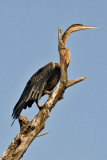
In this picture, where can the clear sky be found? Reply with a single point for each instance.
(28, 40)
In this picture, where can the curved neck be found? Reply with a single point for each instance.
(71, 29)
(67, 56)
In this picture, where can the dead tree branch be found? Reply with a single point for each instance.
(30, 130)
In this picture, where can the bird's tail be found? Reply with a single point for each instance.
(17, 110)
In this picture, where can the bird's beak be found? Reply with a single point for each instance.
(89, 27)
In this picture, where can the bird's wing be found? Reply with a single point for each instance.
(35, 85)
(34, 88)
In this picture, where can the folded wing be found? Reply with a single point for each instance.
(34, 89)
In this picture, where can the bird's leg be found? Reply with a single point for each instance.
(38, 104)
(45, 92)
(48, 92)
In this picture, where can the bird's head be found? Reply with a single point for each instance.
(73, 28)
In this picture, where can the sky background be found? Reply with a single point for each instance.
(28, 40)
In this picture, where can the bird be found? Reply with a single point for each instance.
(45, 79)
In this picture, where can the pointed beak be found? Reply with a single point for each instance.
(88, 27)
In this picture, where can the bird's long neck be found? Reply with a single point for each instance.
(69, 30)
(67, 56)
(73, 28)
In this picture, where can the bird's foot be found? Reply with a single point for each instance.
(45, 92)
(48, 92)
(39, 106)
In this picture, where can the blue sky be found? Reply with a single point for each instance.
(28, 40)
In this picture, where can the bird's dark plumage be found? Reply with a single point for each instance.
(45, 78)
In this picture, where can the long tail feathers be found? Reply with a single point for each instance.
(13, 122)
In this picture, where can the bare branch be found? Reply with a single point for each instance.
(72, 82)
(42, 134)
(62, 52)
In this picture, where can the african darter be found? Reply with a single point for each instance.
(45, 79)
